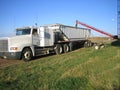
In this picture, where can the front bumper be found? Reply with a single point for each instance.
(10, 55)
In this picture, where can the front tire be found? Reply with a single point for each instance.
(27, 54)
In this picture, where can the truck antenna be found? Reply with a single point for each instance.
(36, 24)
(36, 20)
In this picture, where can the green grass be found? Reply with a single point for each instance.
(83, 69)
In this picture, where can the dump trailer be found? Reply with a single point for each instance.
(35, 41)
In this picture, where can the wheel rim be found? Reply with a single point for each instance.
(66, 48)
(60, 50)
(27, 55)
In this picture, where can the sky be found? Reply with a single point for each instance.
(101, 14)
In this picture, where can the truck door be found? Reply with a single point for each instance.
(35, 37)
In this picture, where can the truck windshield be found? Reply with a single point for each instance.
(23, 31)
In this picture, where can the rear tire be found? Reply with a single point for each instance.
(66, 48)
(27, 54)
(71, 46)
(58, 49)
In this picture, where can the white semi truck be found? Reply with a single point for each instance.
(35, 41)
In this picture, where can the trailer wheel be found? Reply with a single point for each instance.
(87, 44)
(90, 44)
(66, 48)
(27, 54)
(58, 49)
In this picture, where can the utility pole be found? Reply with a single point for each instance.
(118, 18)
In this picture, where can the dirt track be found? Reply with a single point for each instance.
(5, 63)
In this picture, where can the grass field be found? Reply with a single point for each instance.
(83, 69)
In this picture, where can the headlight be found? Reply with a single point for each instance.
(14, 48)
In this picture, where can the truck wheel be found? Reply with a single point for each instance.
(27, 54)
(71, 46)
(66, 48)
(58, 49)
(88, 44)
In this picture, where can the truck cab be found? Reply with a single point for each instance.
(28, 42)
(14, 47)
(32, 32)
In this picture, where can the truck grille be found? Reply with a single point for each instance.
(3, 45)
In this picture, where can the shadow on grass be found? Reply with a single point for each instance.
(73, 83)
(68, 83)
(43, 56)
(116, 43)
